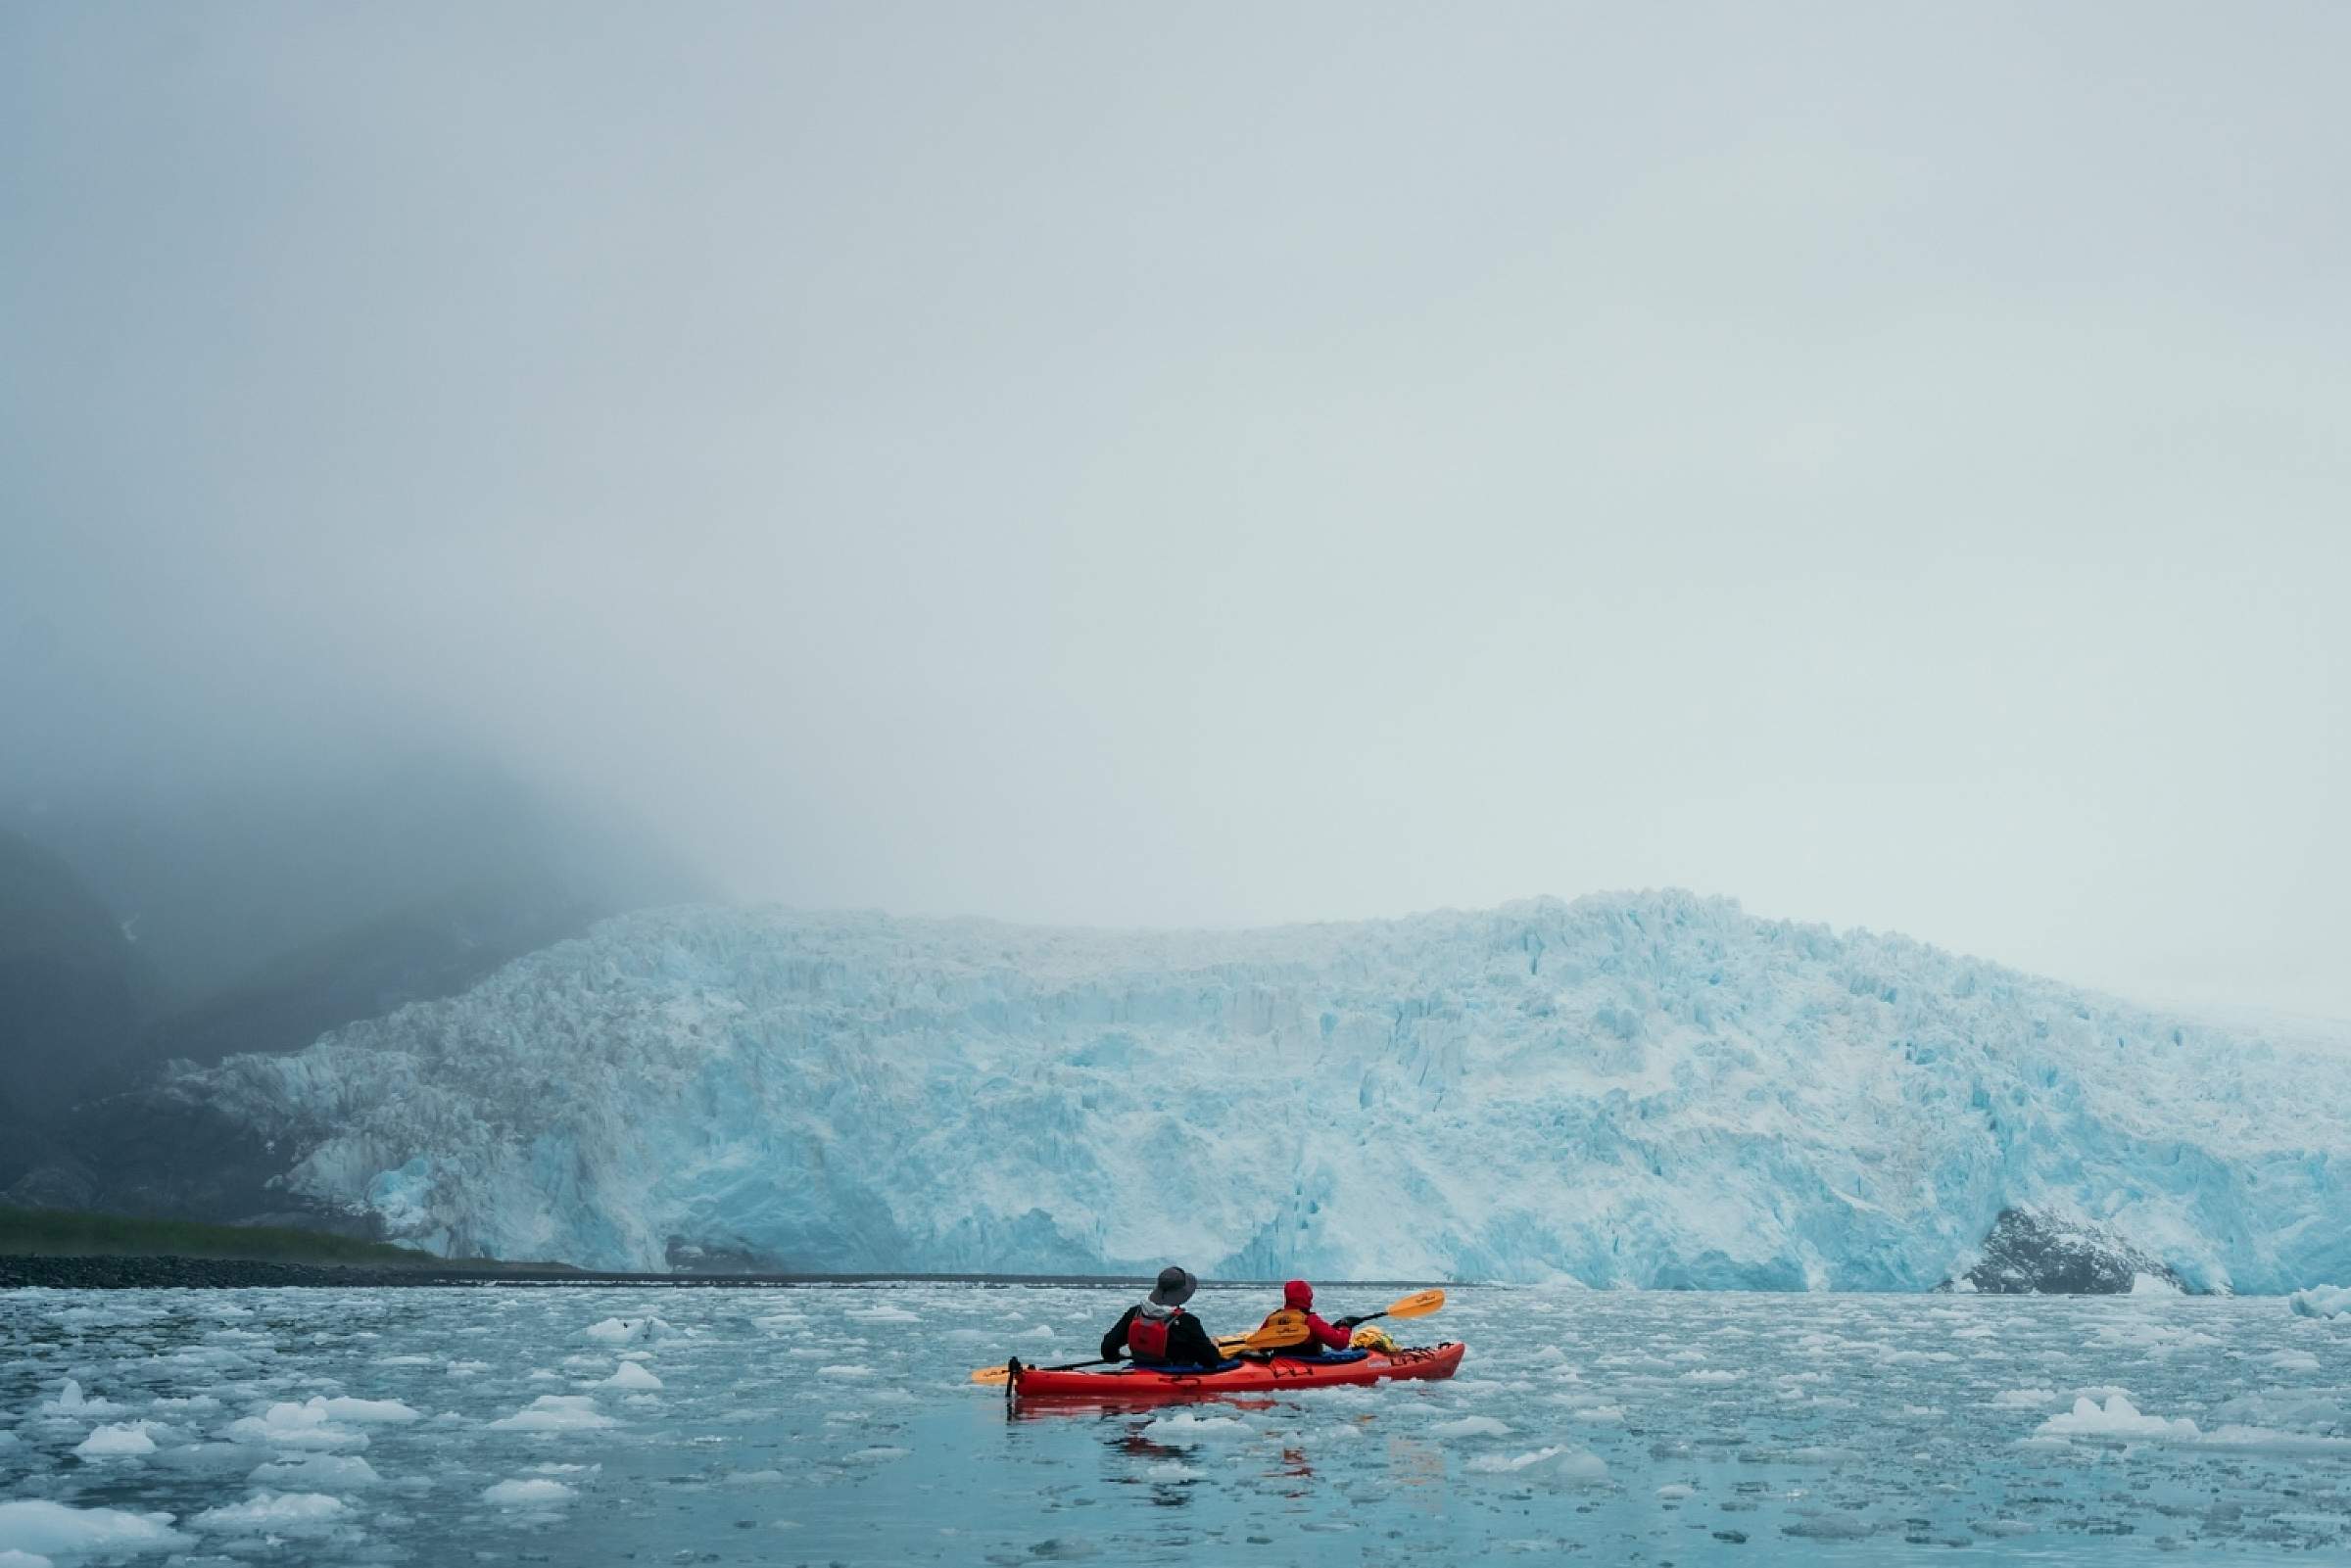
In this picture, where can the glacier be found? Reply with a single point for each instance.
(1653, 1090)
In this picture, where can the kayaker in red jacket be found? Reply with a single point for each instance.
(1312, 1336)
(1158, 1332)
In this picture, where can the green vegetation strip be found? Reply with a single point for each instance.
(68, 1233)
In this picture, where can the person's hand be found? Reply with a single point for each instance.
(1347, 1324)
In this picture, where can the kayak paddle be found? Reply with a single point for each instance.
(1418, 1305)
(992, 1375)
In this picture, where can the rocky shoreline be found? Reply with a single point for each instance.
(163, 1272)
(231, 1273)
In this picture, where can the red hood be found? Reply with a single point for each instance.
(1299, 1295)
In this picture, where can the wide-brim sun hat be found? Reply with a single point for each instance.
(1174, 1288)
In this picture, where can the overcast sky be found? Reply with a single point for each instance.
(1225, 463)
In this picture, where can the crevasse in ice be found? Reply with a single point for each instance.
(1651, 1089)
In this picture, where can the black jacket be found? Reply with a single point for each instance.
(1189, 1343)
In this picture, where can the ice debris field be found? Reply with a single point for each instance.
(836, 1425)
(1654, 1090)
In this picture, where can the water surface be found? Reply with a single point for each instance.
(836, 1424)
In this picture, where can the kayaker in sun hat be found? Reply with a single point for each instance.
(1296, 1330)
(1158, 1332)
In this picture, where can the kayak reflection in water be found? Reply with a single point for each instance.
(1158, 1332)
(1296, 1330)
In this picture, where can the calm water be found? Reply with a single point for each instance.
(834, 1424)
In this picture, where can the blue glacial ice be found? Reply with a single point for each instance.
(1655, 1090)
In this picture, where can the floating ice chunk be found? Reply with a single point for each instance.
(1168, 1471)
(12, 1558)
(193, 1401)
(631, 1375)
(1177, 1430)
(371, 1413)
(2321, 1300)
(1711, 1375)
(71, 1401)
(1581, 1467)
(1506, 1464)
(2117, 1418)
(879, 1455)
(2294, 1360)
(555, 1412)
(883, 1314)
(221, 1461)
(537, 1493)
(2152, 1285)
(123, 1438)
(39, 1528)
(844, 1373)
(315, 1472)
(631, 1331)
(1676, 1491)
(1563, 1463)
(287, 1425)
(1471, 1426)
(273, 1511)
(2024, 1399)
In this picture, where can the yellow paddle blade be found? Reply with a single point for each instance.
(1285, 1330)
(1418, 1305)
(992, 1374)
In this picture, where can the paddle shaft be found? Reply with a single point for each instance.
(1003, 1374)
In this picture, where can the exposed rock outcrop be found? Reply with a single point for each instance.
(2031, 1252)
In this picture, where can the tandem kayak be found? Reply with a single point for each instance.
(1279, 1374)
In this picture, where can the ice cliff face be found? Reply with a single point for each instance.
(1652, 1089)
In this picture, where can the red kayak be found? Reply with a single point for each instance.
(1135, 1383)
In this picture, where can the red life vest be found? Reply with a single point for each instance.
(1147, 1336)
